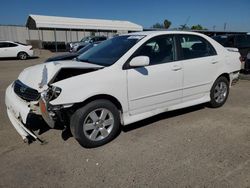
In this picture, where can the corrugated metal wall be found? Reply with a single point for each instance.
(23, 34)
(14, 33)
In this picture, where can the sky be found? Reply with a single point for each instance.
(208, 13)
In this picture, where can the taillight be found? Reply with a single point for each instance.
(242, 59)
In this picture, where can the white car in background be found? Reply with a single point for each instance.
(123, 80)
(15, 49)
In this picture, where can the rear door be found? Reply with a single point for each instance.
(200, 63)
(8, 49)
(12, 49)
(158, 85)
(3, 49)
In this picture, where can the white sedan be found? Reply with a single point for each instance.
(123, 80)
(15, 49)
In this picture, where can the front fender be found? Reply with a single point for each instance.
(79, 88)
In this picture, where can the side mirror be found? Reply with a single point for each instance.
(139, 61)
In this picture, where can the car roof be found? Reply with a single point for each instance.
(151, 33)
(6, 41)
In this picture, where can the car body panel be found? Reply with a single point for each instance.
(149, 87)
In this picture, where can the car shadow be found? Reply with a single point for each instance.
(15, 58)
(161, 116)
(36, 123)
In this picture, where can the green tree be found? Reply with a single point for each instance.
(167, 24)
(158, 26)
(198, 27)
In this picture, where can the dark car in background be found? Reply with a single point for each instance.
(240, 41)
(75, 46)
(247, 64)
(72, 55)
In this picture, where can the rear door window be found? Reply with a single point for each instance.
(193, 46)
(3, 45)
(12, 45)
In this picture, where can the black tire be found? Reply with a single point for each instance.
(78, 126)
(218, 101)
(22, 55)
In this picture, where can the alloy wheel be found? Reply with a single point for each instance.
(98, 124)
(220, 92)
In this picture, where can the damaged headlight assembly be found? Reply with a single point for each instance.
(51, 93)
(49, 111)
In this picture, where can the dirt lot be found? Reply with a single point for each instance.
(194, 147)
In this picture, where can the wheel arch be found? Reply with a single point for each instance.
(22, 52)
(110, 98)
(226, 75)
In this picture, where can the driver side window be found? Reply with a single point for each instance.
(160, 49)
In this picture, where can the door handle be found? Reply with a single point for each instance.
(176, 68)
(214, 62)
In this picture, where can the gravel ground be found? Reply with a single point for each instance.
(192, 147)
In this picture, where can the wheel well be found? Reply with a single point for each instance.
(226, 75)
(21, 52)
(96, 97)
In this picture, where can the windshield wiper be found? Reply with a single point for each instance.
(91, 62)
(85, 61)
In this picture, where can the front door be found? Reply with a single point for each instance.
(158, 85)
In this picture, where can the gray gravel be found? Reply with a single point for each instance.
(193, 147)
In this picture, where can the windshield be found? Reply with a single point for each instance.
(109, 51)
(85, 48)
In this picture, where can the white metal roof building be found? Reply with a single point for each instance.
(55, 22)
(62, 30)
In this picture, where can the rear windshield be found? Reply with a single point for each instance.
(21, 43)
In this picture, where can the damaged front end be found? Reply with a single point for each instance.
(22, 100)
(33, 92)
(51, 113)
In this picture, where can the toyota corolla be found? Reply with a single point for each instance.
(123, 80)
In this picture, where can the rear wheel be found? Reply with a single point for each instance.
(95, 124)
(219, 92)
(22, 55)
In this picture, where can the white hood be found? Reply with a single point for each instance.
(38, 76)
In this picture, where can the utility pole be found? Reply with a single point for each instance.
(225, 26)
(186, 22)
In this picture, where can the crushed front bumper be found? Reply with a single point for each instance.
(18, 110)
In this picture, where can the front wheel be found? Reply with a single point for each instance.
(95, 124)
(219, 92)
